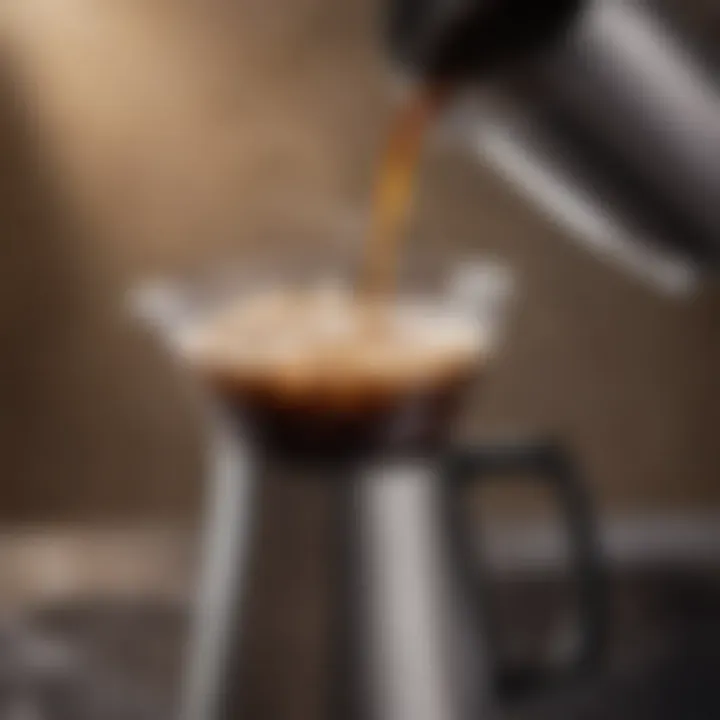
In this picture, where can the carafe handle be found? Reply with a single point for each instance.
(550, 464)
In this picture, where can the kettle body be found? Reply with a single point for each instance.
(602, 114)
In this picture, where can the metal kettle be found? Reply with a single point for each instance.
(604, 114)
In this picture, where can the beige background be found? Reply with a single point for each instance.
(155, 134)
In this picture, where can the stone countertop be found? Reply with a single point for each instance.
(118, 600)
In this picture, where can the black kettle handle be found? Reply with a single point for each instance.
(549, 463)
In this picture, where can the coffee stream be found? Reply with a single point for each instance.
(394, 189)
(302, 359)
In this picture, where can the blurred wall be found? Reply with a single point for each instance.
(154, 135)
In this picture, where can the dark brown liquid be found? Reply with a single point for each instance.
(412, 422)
(394, 190)
(309, 378)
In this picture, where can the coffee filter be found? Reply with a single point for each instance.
(303, 338)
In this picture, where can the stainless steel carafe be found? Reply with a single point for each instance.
(412, 636)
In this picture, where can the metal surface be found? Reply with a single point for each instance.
(425, 662)
(613, 132)
(216, 630)
(412, 637)
(539, 164)
(640, 94)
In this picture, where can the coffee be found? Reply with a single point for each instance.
(394, 188)
(321, 369)
(333, 371)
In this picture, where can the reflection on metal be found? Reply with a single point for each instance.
(223, 574)
(412, 619)
(525, 162)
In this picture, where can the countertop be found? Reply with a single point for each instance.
(122, 608)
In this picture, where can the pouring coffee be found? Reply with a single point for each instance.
(358, 386)
(324, 369)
